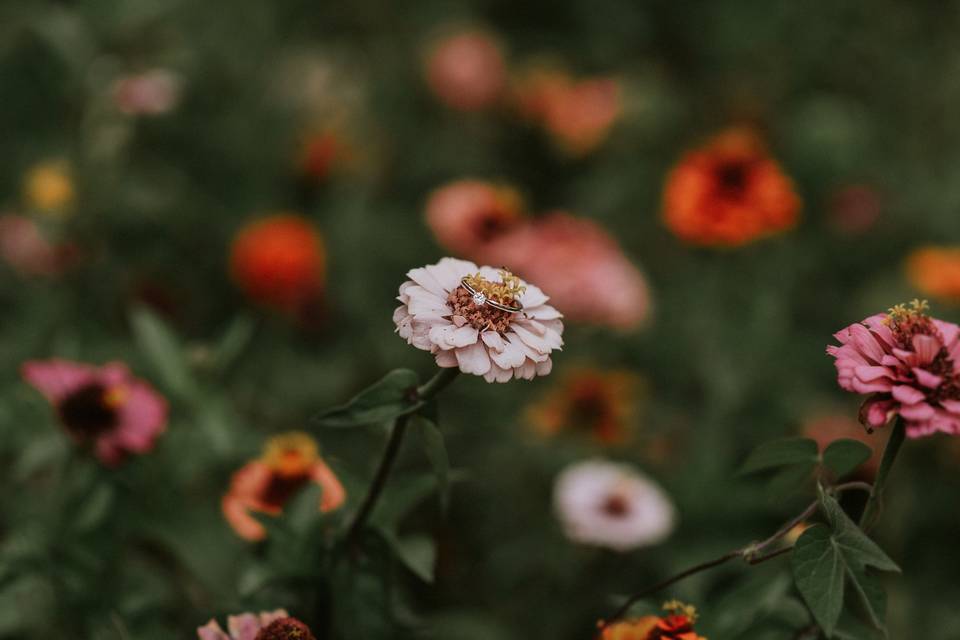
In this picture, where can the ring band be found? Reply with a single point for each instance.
(480, 299)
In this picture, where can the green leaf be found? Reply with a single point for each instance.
(436, 451)
(95, 508)
(843, 456)
(871, 595)
(780, 453)
(818, 570)
(234, 340)
(392, 396)
(852, 541)
(789, 481)
(163, 350)
(417, 553)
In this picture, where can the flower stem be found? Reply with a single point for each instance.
(425, 392)
(872, 511)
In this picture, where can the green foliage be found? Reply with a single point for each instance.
(843, 456)
(786, 452)
(391, 397)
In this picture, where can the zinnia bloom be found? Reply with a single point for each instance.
(728, 193)
(676, 625)
(103, 406)
(935, 271)
(611, 505)
(268, 625)
(466, 215)
(279, 261)
(581, 266)
(578, 114)
(27, 250)
(906, 361)
(289, 462)
(466, 70)
(439, 315)
(48, 187)
(149, 93)
(600, 403)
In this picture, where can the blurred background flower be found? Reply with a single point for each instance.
(466, 70)
(935, 271)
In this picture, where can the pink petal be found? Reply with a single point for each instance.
(926, 347)
(245, 626)
(927, 379)
(142, 417)
(211, 631)
(868, 373)
(907, 395)
(921, 411)
(875, 412)
(473, 359)
(56, 379)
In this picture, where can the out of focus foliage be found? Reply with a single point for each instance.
(855, 94)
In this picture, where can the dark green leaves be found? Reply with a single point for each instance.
(843, 456)
(436, 452)
(781, 453)
(163, 350)
(826, 559)
(393, 396)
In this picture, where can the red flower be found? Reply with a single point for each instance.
(279, 261)
(728, 193)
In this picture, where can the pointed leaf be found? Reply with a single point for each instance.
(871, 595)
(818, 570)
(417, 553)
(163, 350)
(234, 340)
(780, 453)
(392, 396)
(856, 547)
(436, 451)
(843, 456)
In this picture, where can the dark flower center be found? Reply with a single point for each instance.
(285, 629)
(615, 506)
(732, 176)
(490, 225)
(588, 404)
(86, 412)
(282, 487)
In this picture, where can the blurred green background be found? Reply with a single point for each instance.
(848, 93)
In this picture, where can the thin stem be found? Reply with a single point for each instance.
(425, 392)
(874, 502)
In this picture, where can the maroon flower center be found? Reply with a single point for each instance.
(480, 317)
(86, 412)
(282, 487)
(490, 225)
(615, 506)
(731, 176)
(285, 629)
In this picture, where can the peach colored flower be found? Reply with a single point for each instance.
(246, 626)
(466, 215)
(148, 93)
(611, 505)
(466, 70)
(907, 362)
(581, 266)
(289, 462)
(26, 249)
(279, 261)
(935, 271)
(676, 625)
(728, 193)
(602, 404)
(438, 314)
(48, 188)
(103, 406)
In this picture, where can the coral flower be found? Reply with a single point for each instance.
(466, 70)
(676, 625)
(611, 505)
(438, 314)
(289, 462)
(580, 266)
(600, 403)
(279, 261)
(150, 93)
(907, 362)
(48, 187)
(578, 114)
(466, 215)
(728, 193)
(103, 406)
(26, 249)
(268, 625)
(935, 271)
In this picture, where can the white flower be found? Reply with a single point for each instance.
(440, 316)
(611, 505)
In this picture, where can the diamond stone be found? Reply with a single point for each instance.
(479, 299)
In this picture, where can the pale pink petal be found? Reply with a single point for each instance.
(424, 278)
(927, 379)
(926, 347)
(56, 379)
(142, 417)
(907, 395)
(921, 411)
(267, 617)
(447, 359)
(473, 359)
(245, 626)
(212, 631)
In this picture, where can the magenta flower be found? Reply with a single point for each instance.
(103, 406)
(906, 361)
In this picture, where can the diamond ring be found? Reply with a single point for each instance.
(480, 299)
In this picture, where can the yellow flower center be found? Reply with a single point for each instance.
(291, 454)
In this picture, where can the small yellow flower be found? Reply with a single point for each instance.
(48, 188)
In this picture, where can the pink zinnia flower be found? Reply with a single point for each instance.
(582, 268)
(248, 626)
(466, 70)
(438, 314)
(104, 406)
(466, 215)
(907, 361)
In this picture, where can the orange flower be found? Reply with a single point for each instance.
(936, 272)
(600, 403)
(48, 187)
(289, 462)
(677, 625)
(279, 261)
(728, 193)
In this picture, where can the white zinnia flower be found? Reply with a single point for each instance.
(611, 505)
(439, 315)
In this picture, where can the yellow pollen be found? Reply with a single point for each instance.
(115, 397)
(505, 291)
(677, 608)
(290, 453)
(901, 312)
